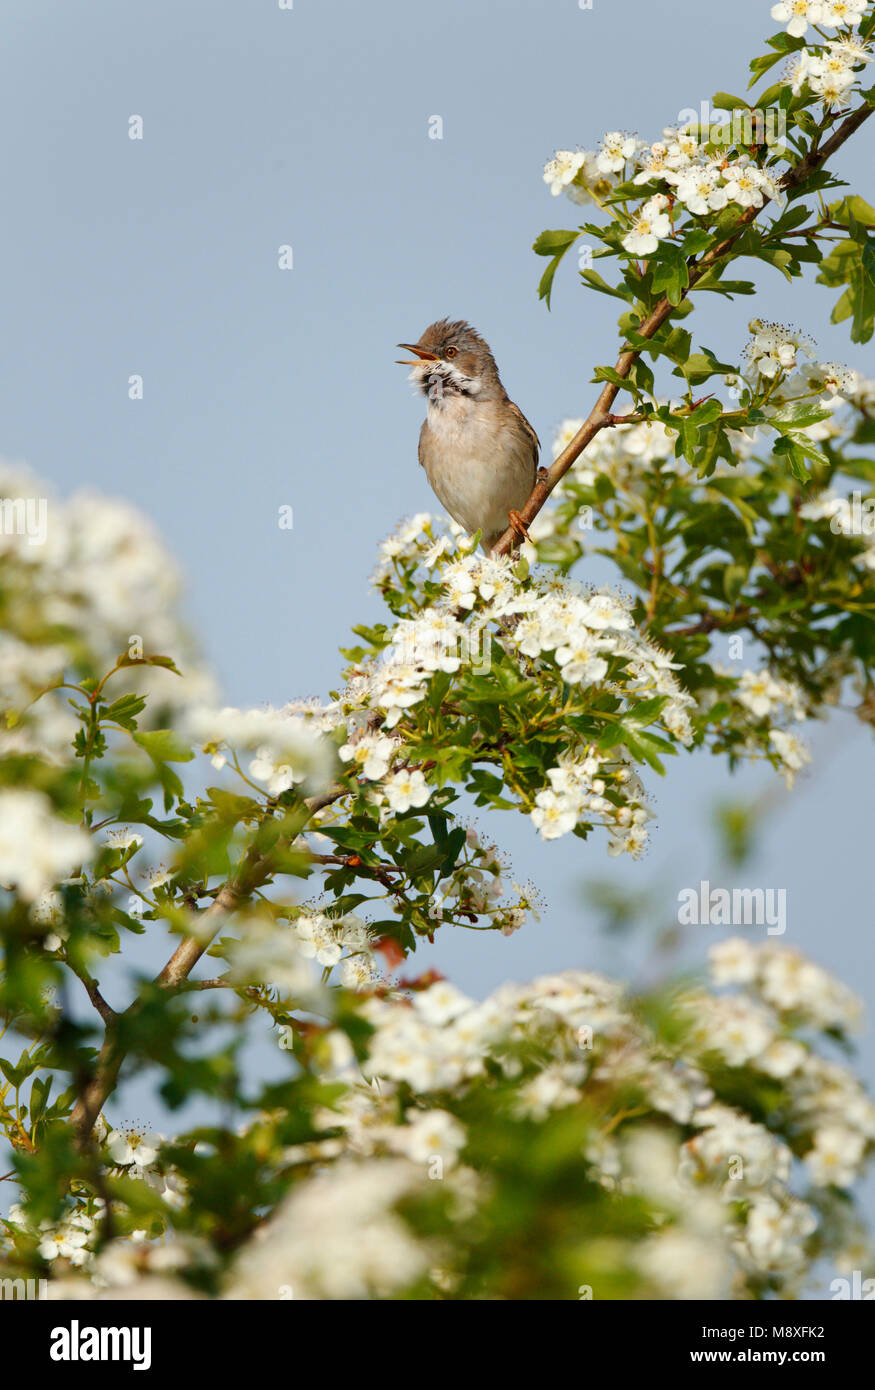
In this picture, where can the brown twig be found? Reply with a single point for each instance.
(220, 982)
(379, 872)
(710, 622)
(600, 416)
(92, 989)
(254, 870)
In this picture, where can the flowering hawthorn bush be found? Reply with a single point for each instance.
(560, 1139)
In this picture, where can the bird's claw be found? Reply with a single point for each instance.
(517, 525)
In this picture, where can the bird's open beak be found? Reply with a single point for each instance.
(422, 354)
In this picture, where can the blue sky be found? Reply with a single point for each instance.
(262, 388)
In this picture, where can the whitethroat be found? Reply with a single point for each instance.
(479, 451)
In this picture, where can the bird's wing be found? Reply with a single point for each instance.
(424, 441)
(530, 433)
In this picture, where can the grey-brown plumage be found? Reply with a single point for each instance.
(478, 449)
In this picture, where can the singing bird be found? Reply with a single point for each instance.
(479, 451)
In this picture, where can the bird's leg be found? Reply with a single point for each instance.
(517, 525)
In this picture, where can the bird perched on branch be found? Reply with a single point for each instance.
(479, 451)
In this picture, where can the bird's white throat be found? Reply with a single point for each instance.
(441, 382)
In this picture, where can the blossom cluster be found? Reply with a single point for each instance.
(628, 455)
(37, 847)
(688, 166)
(288, 744)
(799, 14)
(761, 707)
(832, 1117)
(344, 940)
(781, 379)
(664, 1125)
(94, 583)
(788, 386)
(681, 169)
(829, 71)
(840, 513)
(775, 347)
(71, 1243)
(571, 635)
(476, 888)
(720, 1176)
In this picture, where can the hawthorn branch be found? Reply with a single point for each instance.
(600, 416)
(94, 1092)
(253, 872)
(92, 989)
(318, 803)
(191, 948)
(222, 982)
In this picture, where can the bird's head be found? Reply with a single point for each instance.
(452, 357)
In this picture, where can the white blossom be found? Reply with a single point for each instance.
(37, 848)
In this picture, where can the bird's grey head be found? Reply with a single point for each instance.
(452, 359)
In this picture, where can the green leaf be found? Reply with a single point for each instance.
(782, 260)
(611, 375)
(708, 451)
(771, 95)
(734, 577)
(553, 244)
(644, 747)
(688, 438)
(124, 711)
(782, 44)
(853, 209)
(724, 101)
(595, 281)
(790, 220)
(452, 847)
(164, 746)
(676, 346)
(785, 43)
(424, 860)
(438, 689)
(701, 365)
(645, 712)
(852, 263)
(696, 241)
(641, 378)
(837, 267)
(670, 274)
(673, 343)
(707, 412)
(12, 1074)
(760, 66)
(498, 692)
(861, 301)
(819, 179)
(796, 448)
(166, 662)
(549, 243)
(727, 287)
(232, 807)
(799, 414)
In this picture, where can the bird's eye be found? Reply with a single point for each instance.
(451, 352)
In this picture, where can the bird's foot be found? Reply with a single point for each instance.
(542, 475)
(517, 525)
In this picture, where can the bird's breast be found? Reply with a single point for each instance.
(455, 419)
(477, 465)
